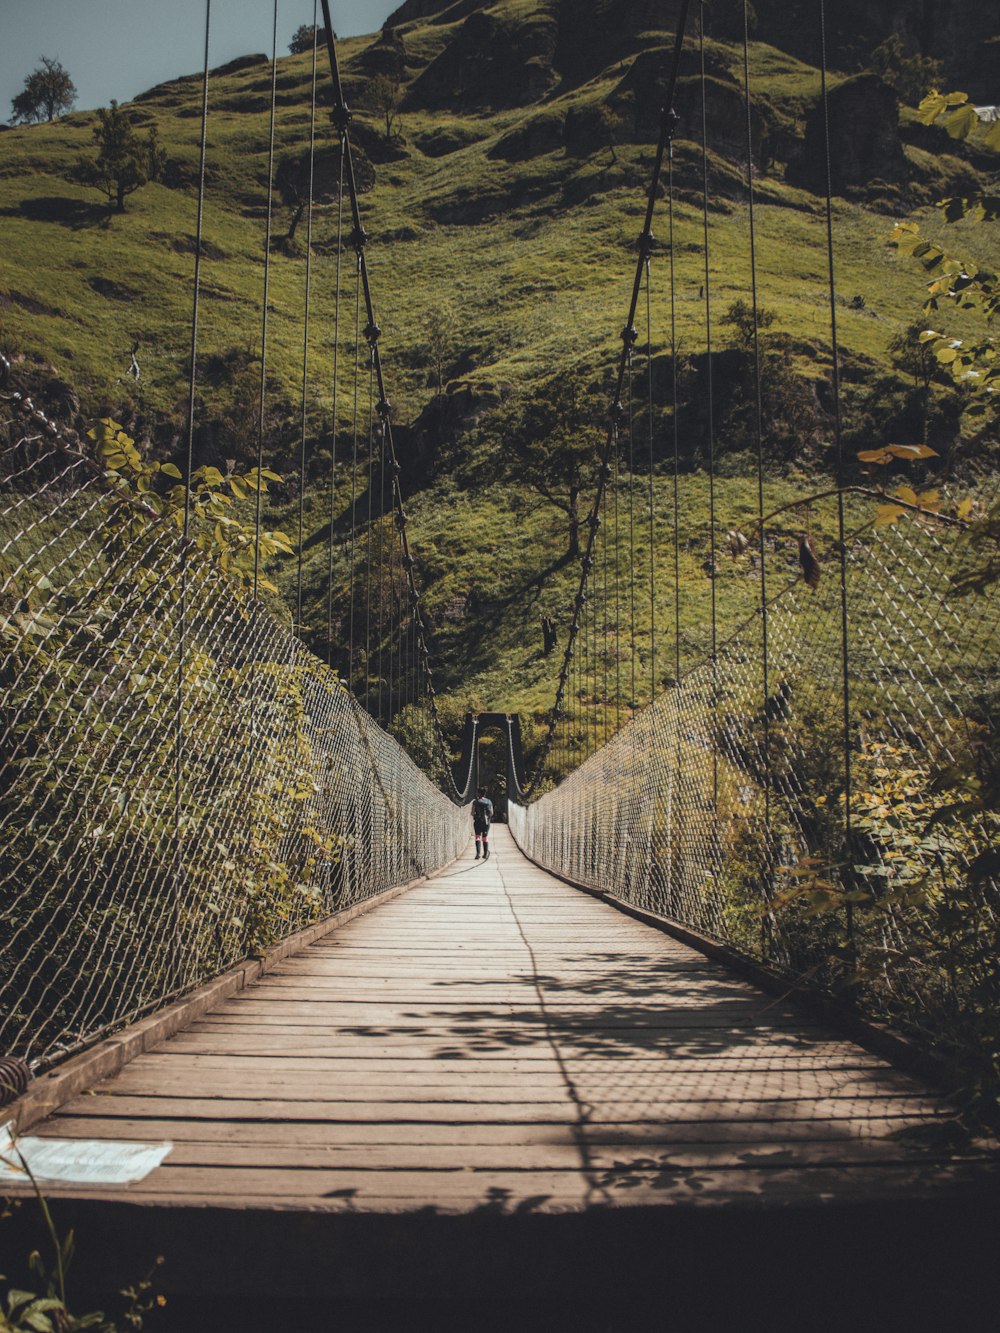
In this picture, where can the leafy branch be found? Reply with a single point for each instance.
(209, 498)
(972, 364)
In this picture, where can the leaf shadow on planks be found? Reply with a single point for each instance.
(654, 1007)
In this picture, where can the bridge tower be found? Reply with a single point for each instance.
(468, 773)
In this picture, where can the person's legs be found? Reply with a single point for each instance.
(486, 845)
(479, 838)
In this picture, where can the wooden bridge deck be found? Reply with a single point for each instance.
(496, 1040)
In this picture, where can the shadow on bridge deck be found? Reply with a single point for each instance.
(498, 1103)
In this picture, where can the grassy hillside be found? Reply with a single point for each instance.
(504, 209)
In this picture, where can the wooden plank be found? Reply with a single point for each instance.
(171, 1060)
(426, 1057)
(461, 1108)
(618, 1159)
(306, 1135)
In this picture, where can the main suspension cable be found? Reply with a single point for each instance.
(646, 243)
(342, 118)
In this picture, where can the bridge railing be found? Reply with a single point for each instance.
(813, 836)
(181, 781)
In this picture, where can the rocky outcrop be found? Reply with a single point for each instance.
(593, 34)
(954, 33)
(541, 134)
(491, 63)
(292, 175)
(386, 56)
(865, 147)
(441, 11)
(446, 417)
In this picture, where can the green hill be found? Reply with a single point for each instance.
(503, 212)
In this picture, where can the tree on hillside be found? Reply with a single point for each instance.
(305, 37)
(910, 75)
(48, 92)
(553, 444)
(124, 162)
(382, 95)
(439, 333)
(742, 317)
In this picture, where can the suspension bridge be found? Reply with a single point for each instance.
(253, 984)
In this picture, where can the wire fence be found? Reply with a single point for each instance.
(740, 805)
(181, 782)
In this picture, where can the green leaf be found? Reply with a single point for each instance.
(37, 1322)
(962, 122)
(171, 469)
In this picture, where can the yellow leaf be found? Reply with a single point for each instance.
(886, 514)
(912, 451)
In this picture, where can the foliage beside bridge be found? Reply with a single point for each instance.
(181, 782)
(863, 863)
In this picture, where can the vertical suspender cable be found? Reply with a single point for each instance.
(369, 533)
(595, 654)
(675, 424)
(839, 458)
(651, 495)
(186, 536)
(607, 628)
(631, 522)
(265, 303)
(759, 442)
(616, 483)
(336, 399)
(352, 564)
(305, 330)
(710, 387)
(675, 421)
(380, 609)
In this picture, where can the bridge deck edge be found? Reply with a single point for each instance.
(109, 1056)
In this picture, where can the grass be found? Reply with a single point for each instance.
(533, 260)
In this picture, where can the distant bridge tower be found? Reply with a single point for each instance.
(467, 775)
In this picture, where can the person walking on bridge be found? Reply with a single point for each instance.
(482, 817)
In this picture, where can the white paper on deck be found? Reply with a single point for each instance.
(78, 1161)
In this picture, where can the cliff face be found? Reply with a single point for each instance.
(541, 54)
(591, 34)
(491, 62)
(954, 33)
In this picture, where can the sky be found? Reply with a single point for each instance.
(118, 48)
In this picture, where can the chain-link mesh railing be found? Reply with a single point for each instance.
(821, 837)
(181, 781)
